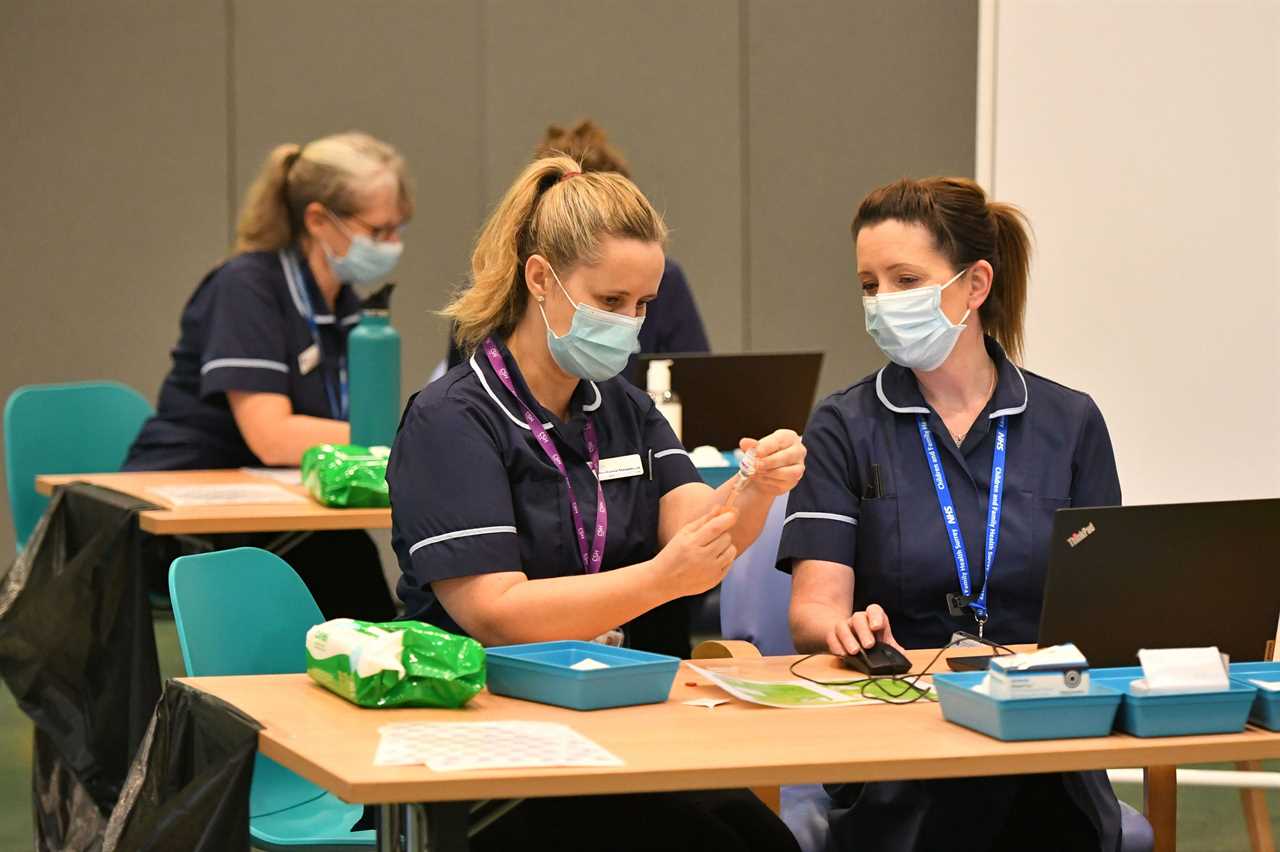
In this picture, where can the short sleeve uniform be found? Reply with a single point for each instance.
(868, 500)
(473, 493)
(248, 327)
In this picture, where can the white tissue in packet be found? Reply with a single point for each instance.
(1175, 670)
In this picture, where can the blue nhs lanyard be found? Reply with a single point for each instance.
(338, 401)
(947, 505)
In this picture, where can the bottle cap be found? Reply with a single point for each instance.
(659, 378)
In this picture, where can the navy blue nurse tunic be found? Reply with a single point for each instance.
(245, 329)
(473, 493)
(895, 541)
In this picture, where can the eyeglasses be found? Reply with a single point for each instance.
(377, 233)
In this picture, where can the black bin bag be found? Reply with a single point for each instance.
(188, 788)
(78, 652)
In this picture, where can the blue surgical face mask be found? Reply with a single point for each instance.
(366, 261)
(597, 345)
(910, 326)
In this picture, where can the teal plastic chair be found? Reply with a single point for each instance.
(85, 427)
(245, 611)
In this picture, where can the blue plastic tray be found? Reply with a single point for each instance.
(1090, 714)
(1176, 715)
(541, 672)
(1266, 705)
(717, 476)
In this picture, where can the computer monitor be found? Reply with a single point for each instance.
(1188, 575)
(728, 397)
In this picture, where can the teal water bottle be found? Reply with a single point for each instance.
(373, 350)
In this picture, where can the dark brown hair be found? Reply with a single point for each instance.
(585, 142)
(966, 228)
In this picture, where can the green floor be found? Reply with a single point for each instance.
(1209, 820)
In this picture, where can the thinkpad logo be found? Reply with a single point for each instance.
(1081, 534)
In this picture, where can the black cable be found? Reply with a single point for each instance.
(908, 683)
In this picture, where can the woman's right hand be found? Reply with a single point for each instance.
(863, 629)
(699, 555)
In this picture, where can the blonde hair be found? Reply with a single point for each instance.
(334, 171)
(557, 211)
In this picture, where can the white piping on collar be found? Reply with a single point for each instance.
(909, 409)
(330, 319)
(1017, 409)
(913, 409)
(291, 274)
(593, 406)
(498, 402)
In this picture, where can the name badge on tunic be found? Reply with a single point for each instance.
(308, 359)
(620, 467)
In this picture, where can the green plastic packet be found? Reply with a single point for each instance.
(395, 663)
(345, 476)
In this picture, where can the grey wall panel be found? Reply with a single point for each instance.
(133, 129)
(408, 73)
(114, 174)
(663, 79)
(842, 98)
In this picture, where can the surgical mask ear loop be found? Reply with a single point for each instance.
(948, 284)
(542, 299)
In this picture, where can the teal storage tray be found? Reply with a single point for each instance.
(717, 476)
(1090, 714)
(1189, 713)
(1266, 705)
(540, 671)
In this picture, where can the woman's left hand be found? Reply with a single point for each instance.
(779, 461)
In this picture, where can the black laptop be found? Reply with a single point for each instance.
(1187, 575)
(728, 397)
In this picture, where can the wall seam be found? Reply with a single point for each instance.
(482, 111)
(232, 166)
(744, 131)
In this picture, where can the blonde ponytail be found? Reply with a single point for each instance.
(264, 218)
(333, 170)
(543, 213)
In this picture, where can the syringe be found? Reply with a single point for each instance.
(746, 469)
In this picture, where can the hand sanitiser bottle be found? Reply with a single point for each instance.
(373, 349)
(659, 382)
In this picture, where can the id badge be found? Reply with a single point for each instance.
(308, 359)
(621, 467)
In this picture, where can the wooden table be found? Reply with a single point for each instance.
(300, 518)
(674, 746)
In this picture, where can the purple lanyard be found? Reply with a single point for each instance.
(590, 563)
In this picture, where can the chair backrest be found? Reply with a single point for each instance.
(755, 596)
(245, 611)
(85, 427)
(240, 611)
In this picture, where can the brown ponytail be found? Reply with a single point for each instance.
(1005, 309)
(333, 170)
(561, 220)
(966, 228)
(585, 142)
